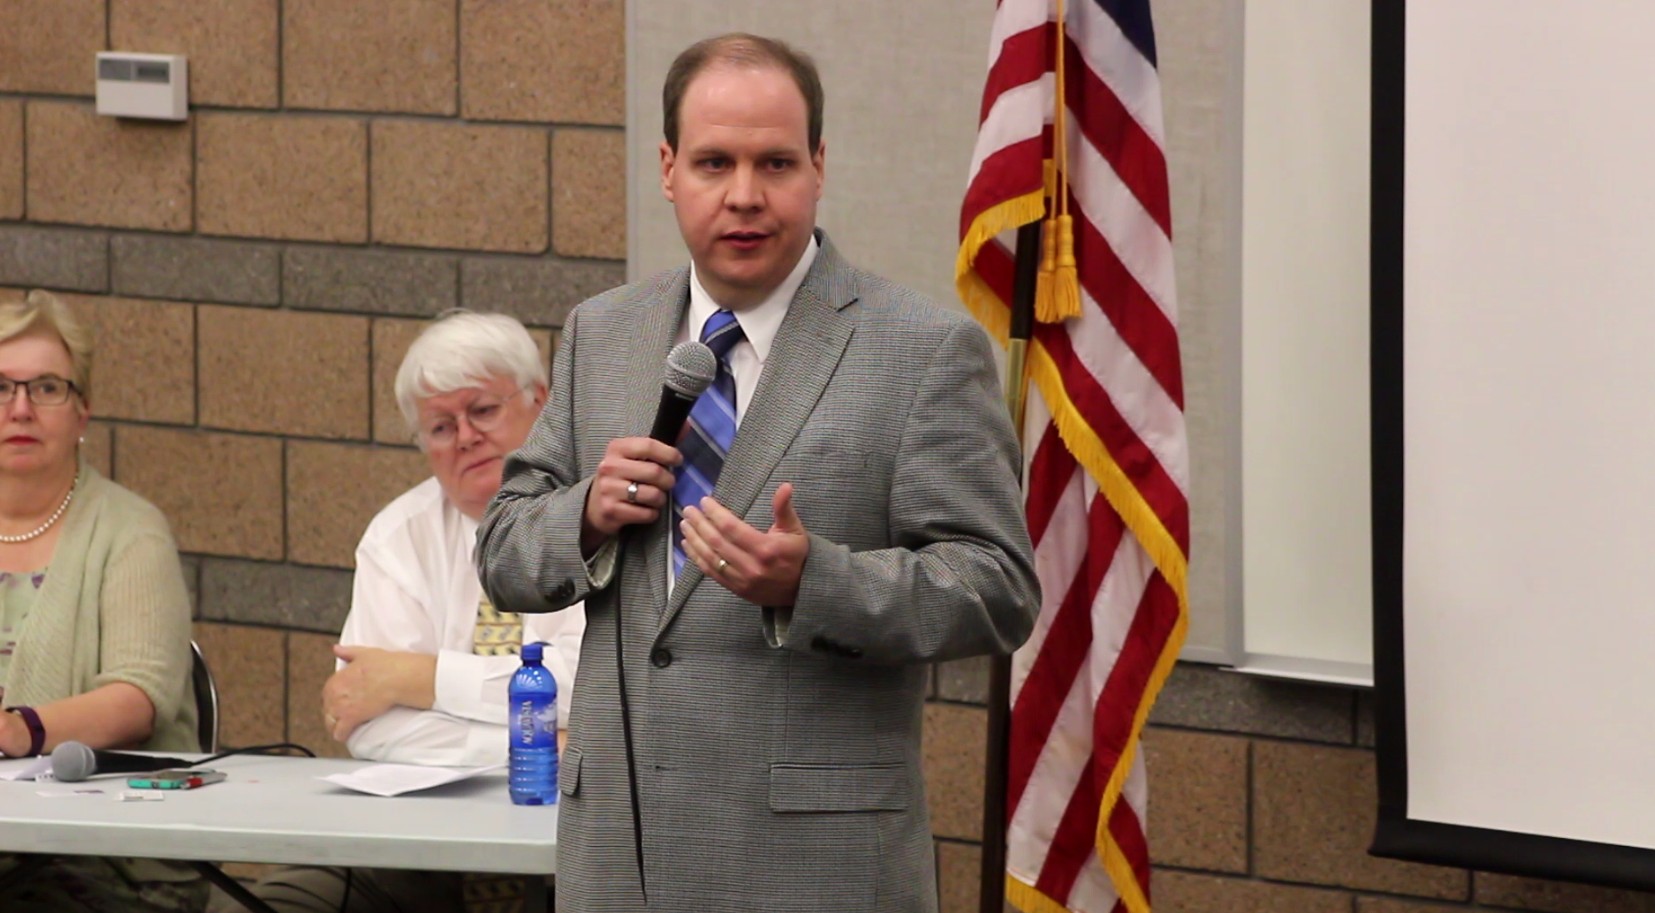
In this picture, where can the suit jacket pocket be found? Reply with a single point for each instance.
(568, 772)
(832, 464)
(838, 787)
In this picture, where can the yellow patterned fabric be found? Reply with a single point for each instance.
(498, 633)
(490, 893)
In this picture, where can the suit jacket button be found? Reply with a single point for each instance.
(660, 657)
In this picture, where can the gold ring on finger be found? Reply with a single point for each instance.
(632, 492)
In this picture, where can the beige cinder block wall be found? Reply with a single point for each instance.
(255, 274)
(350, 168)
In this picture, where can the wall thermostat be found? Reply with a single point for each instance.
(143, 85)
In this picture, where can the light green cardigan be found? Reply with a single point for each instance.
(113, 609)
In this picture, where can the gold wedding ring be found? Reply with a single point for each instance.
(720, 566)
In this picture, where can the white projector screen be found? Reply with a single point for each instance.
(1514, 207)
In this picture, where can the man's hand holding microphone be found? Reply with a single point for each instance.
(633, 485)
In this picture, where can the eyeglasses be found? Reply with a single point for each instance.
(49, 390)
(483, 415)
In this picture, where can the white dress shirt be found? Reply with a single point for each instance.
(416, 590)
(759, 324)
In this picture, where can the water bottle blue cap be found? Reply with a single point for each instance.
(534, 651)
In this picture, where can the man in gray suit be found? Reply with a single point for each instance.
(762, 606)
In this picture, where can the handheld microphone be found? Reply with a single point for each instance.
(691, 367)
(74, 761)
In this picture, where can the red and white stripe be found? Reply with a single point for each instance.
(1108, 501)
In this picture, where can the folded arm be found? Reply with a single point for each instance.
(466, 725)
(401, 695)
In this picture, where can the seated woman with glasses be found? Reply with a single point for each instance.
(423, 659)
(94, 617)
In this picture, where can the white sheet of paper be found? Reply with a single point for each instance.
(396, 779)
(25, 768)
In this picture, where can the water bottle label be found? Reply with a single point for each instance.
(534, 726)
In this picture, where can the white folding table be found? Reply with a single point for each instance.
(275, 809)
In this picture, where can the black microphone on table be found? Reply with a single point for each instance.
(74, 761)
(691, 367)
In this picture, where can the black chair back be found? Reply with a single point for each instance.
(206, 700)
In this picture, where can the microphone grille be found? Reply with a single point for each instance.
(691, 367)
(73, 762)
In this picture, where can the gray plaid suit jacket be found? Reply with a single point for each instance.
(778, 751)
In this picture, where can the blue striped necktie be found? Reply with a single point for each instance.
(712, 428)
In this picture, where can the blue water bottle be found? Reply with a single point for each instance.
(533, 724)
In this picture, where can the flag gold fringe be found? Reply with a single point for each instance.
(1030, 899)
(990, 311)
(1170, 560)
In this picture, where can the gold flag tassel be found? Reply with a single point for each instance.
(1045, 310)
(1066, 278)
(1057, 298)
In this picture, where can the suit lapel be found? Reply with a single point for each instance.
(645, 371)
(807, 349)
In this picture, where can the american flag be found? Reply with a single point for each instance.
(1106, 466)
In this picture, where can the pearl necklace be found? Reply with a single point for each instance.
(40, 530)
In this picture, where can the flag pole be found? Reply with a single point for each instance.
(1024, 275)
(993, 871)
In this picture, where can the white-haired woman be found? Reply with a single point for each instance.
(423, 659)
(94, 617)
